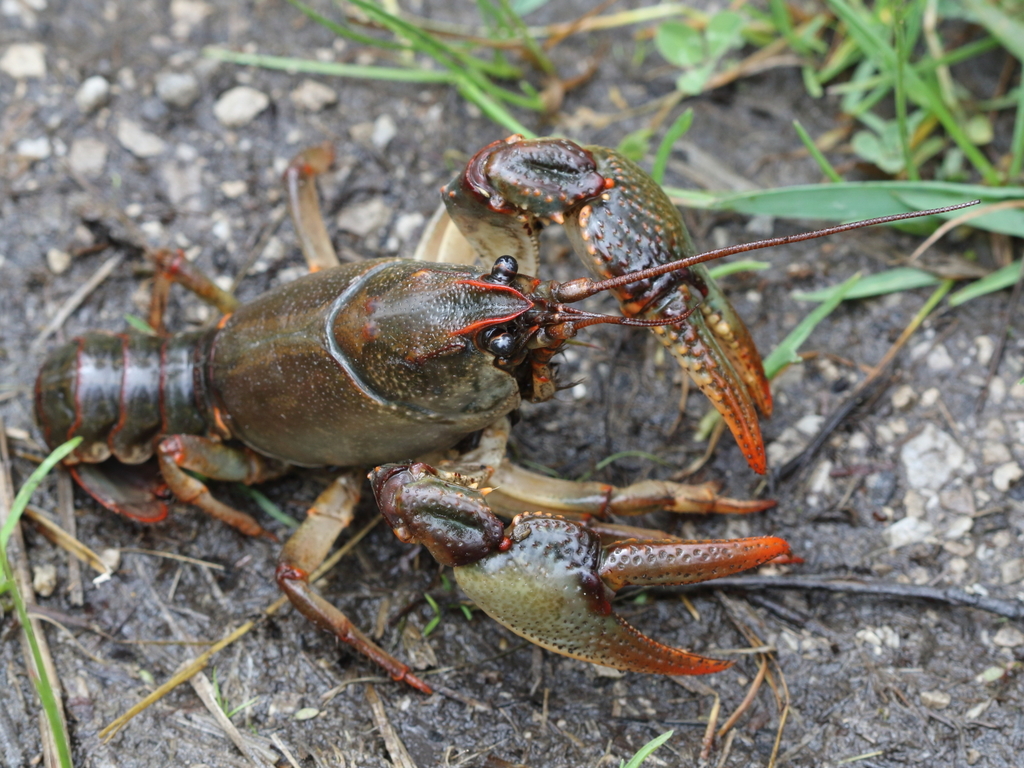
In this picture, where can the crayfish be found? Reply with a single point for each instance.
(389, 361)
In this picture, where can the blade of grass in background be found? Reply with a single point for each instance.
(851, 201)
(786, 353)
(41, 679)
(997, 281)
(889, 281)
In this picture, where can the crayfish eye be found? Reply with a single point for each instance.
(500, 344)
(504, 270)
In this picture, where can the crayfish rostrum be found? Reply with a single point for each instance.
(386, 361)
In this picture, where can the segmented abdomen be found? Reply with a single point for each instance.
(119, 392)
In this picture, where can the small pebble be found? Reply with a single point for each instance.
(88, 157)
(931, 458)
(187, 14)
(407, 224)
(92, 94)
(365, 217)
(384, 130)
(1012, 571)
(1006, 475)
(313, 96)
(239, 106)
(938, 359)
(959, 500)
(909, 530)
(985, 346)
(995, 453)
(810, 424)
(935, 699)
(177, 89)
(33, 149)
(930, 397)
(903, 397)
(960, 527)
(44, 579)
(233, 189)
(58, 261)
(24, 60)
(1008, 637)
(139, 141)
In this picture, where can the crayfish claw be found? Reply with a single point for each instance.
(553, 585)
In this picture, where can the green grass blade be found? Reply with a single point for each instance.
(342, 30)
(901, 95)
(44, 688)
(889, 281)
(267, 505)
(1017, 143)
(1001, 278)
(337, 69)
(786, 353)
(1007, 29)
(675, 132)
(646, 750)
(819, 158)
(732, 267)
(22, 499)
(852, 201)
(917, 89)
(516, 22)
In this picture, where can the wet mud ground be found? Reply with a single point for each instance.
(895, 682)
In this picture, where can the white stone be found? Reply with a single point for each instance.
(407, 225)
(821, 479)
(184, 184)
(187, 14)
(177, 89)
(913, 504)
(365, 217)
(985, 346)
(903, 397)
(1008, 637)
(1012, 571)
(930, 397)
(909, 530)
(785, 447)
(938, 359)
(931, 458)
(88, 157)
(138, 140)
(1006, 475)
(996, 391)
(24, 60)
(995, 453)
(810, 424)
(384, 130)
(239, 106)
(34, 149)
(44, 579)
(313, 96)
(858, 442)
(935, 699)
(92, 94)
(58, 261)
(232, 190)
(960, 526)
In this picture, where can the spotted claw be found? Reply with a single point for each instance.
(550, 580)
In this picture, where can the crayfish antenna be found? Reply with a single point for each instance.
(584, 287)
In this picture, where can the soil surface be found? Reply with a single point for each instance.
(894, 682)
